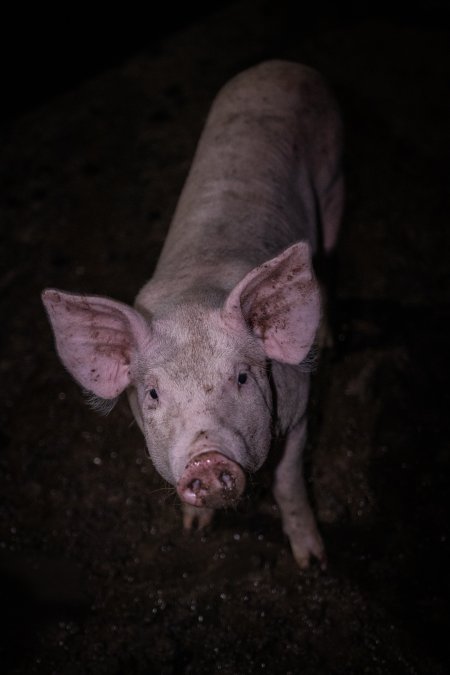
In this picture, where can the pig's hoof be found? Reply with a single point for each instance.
(309, 549)
(196, 517)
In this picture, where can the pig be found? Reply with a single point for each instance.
(215, 354)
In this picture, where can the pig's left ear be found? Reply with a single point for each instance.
(280, 303)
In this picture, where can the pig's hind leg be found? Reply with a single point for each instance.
(290, 493)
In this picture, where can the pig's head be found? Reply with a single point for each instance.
(197, 374)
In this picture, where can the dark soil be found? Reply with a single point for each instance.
(97, 575)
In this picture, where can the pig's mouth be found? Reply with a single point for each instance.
(211, 480)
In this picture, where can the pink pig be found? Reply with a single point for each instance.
(210, 353)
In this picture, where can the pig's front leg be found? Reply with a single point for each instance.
(196, 517)
(290, 493)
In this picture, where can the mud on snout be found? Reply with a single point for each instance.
(211, 480)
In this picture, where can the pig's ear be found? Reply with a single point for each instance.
(97, 339)
(280, 303)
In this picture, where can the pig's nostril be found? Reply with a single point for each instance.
(227, 480)
(195, 485)
(212, 481)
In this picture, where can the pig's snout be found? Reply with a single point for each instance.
(211, 480)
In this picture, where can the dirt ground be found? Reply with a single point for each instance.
(96, 574)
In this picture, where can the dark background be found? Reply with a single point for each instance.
(99, 120)
(47, 52)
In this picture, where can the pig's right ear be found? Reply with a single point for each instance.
(97, 339)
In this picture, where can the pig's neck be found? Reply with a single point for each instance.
(211, 247)
(207, 287)
(240, 218)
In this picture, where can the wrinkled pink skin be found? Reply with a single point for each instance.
(209, 356)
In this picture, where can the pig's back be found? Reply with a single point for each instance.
(269, 148)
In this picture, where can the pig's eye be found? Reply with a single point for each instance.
(242, 378)
(153, 393)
